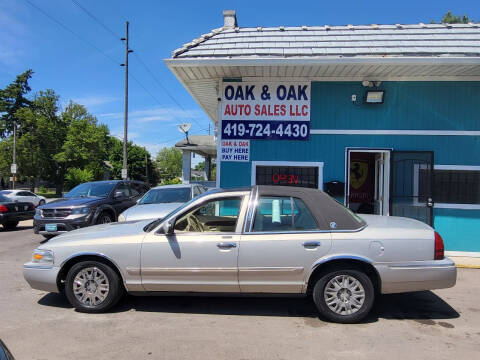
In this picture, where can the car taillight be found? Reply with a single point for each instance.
(439, 248)
(3, 209)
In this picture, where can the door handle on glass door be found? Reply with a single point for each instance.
(226, 245)
(312, 243)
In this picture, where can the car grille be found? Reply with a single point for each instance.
(56, 213)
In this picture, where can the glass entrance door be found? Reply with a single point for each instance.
(411, 185)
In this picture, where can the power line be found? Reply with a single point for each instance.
(111, 32)
(165, 89)
(97, 20)
(72, 32)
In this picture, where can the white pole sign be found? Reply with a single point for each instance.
(273, 110)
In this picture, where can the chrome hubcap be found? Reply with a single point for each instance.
(106, 220)
(91, 286)
(344, 295)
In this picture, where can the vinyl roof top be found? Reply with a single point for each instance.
(397, 40)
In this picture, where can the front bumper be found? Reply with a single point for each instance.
(417, 275)
(63, 224)
(41, 277)
(14, 217)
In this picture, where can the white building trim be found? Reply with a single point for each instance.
(253, 179)
(394, 132)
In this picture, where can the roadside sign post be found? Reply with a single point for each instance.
(124, 174)
(13, 170)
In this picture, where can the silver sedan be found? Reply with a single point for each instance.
(160, 201)
(263, 240)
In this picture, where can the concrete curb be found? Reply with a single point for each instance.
(466, 262)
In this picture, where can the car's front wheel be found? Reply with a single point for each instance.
(344, 295)
(104, 218)
(93, 287)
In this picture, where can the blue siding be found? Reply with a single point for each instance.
(408, 106)
(458, 228)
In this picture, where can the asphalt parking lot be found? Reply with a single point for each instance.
(442, 324)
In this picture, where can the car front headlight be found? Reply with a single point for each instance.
(122, 217)
(38, 212)
(41, 256)
(82, 210)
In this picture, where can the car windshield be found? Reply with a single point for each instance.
(100, 189)
(170, 195)
(5, 192)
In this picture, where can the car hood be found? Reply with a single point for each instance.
(149, 211)
(70, 202)
(104, 231)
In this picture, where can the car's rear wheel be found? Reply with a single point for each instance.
(10, 225)
(344, 295)
(93, 287)
(104, 218)
(41, 202)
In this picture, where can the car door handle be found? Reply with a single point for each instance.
(311, 243)
(226, 245)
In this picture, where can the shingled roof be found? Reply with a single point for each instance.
(349, 40)
(419, 52)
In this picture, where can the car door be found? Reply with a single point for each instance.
(31, 198)
(202, 252)
(282, 242)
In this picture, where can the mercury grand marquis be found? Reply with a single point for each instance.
(259, 240)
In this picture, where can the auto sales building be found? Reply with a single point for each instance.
(386, 118)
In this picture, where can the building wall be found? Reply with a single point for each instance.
(407, 106)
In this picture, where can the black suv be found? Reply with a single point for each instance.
(91, 203)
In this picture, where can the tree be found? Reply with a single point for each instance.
(85, 144)
(12, 99)
(76, 176)
(169, 163)
(39, 139)
(200, 166)
(136, 162)
(449, 18)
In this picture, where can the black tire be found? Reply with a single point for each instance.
(48, 237)
(10, 225)
(113, 295)
(42, 202)
(104, 218)
(360, 311)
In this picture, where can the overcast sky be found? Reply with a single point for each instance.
(84, 65)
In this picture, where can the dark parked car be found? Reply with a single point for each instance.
(11, 212)
(87, 204)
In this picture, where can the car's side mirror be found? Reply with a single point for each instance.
(118, 195)
(167, 228)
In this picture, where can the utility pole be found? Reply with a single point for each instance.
(13, 169)
(146, 167)
(125, 119)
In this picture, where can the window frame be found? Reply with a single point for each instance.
(252, 214)
(244, 201)
(440, 205)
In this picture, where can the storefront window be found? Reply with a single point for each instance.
(304, 176)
